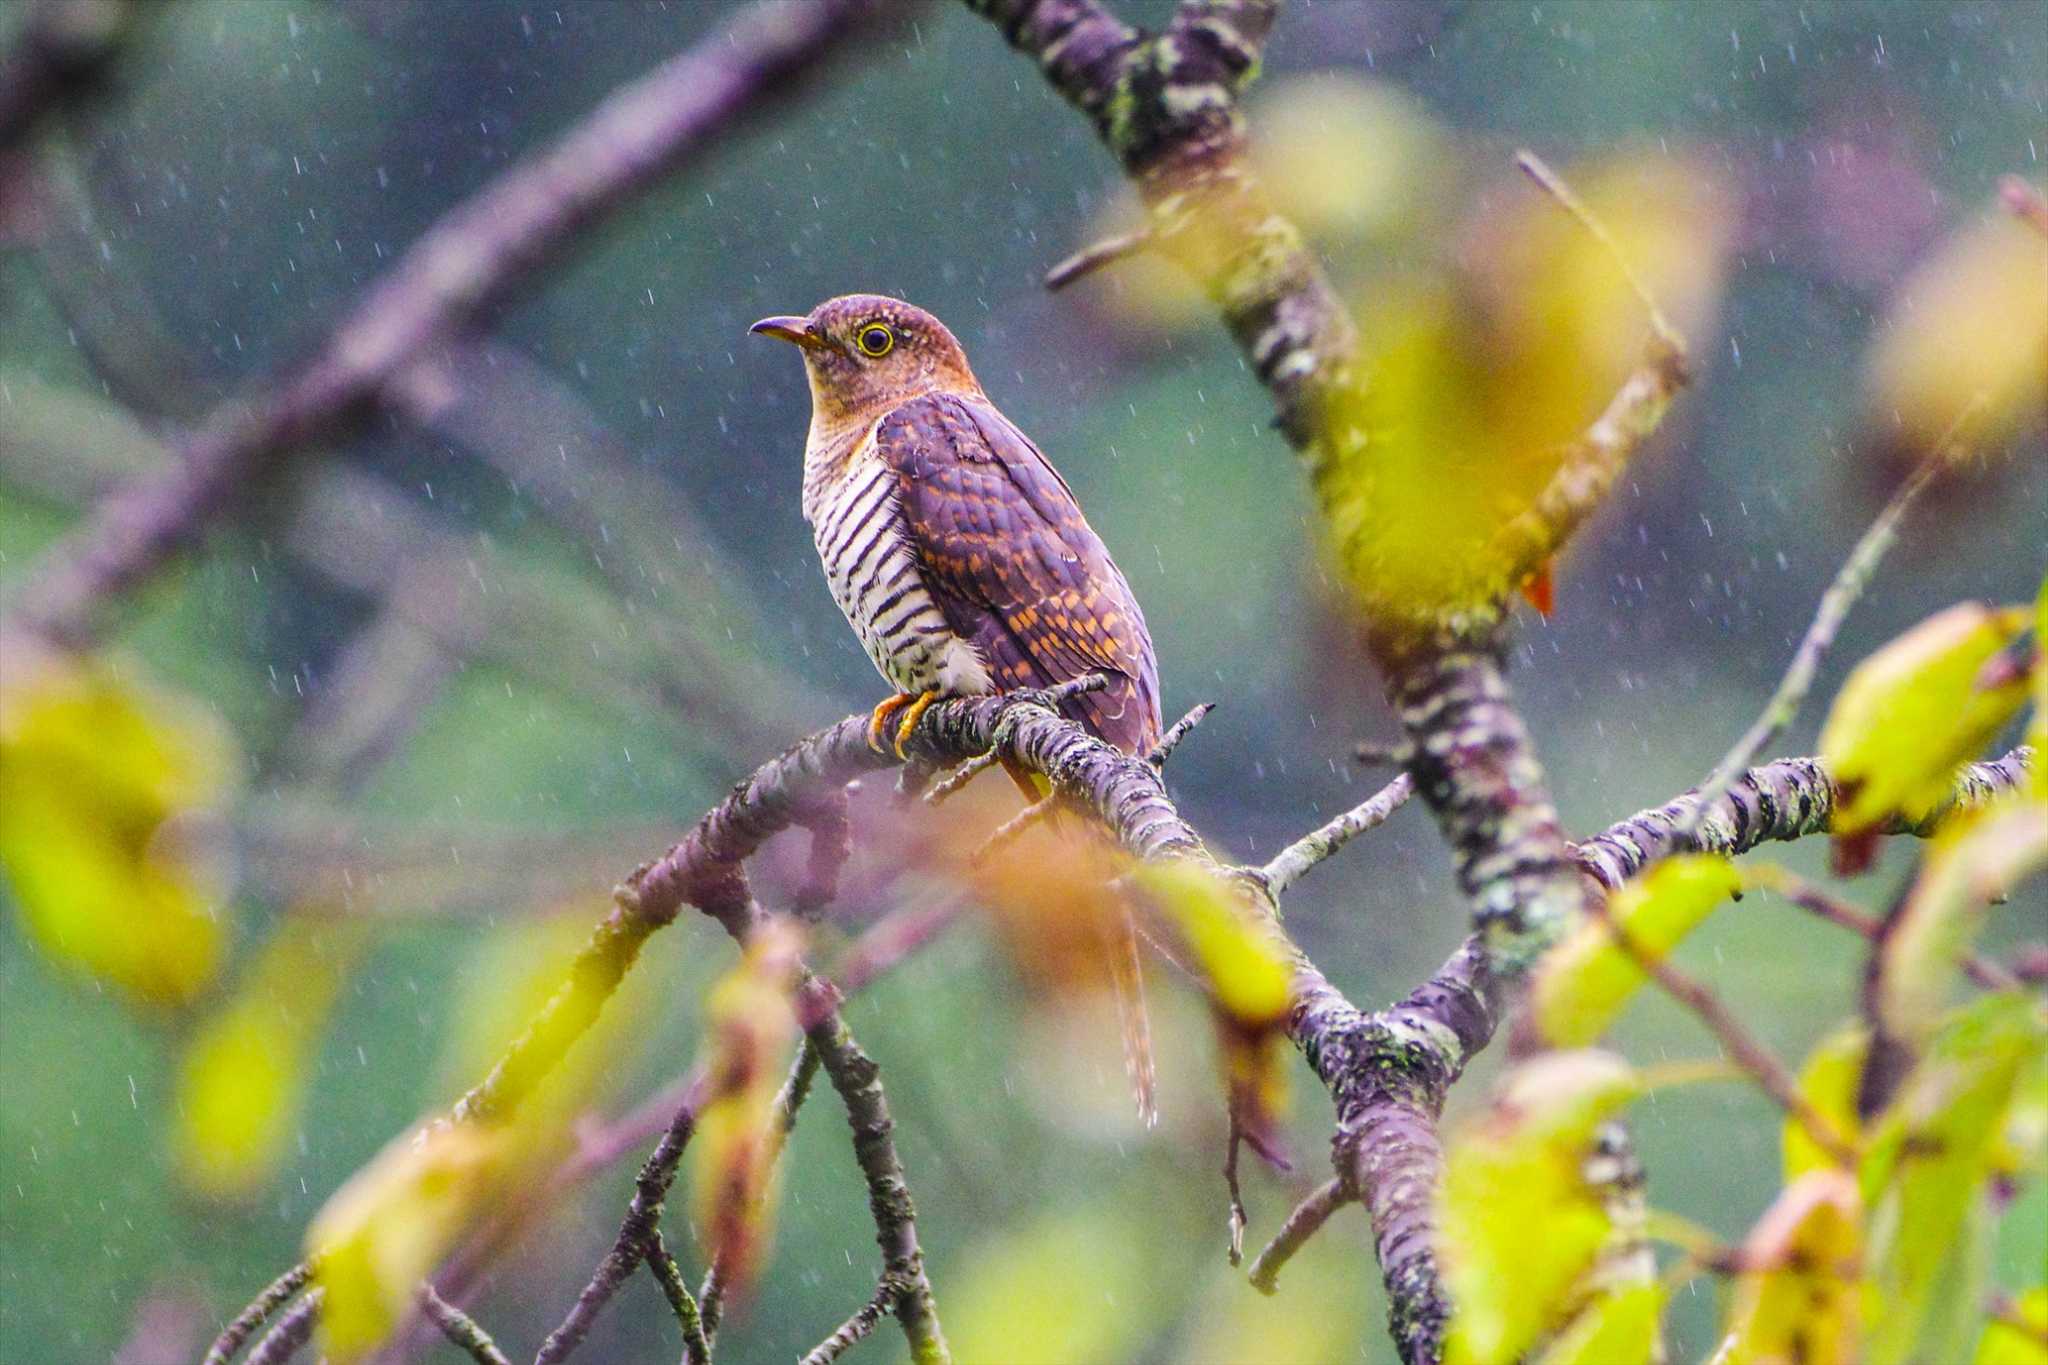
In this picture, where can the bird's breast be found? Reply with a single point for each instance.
(872, 567)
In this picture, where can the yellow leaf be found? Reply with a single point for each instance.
(2005, 1343)
(2037, 730)
(1969, 326)
(1348, 160)
(1053, 1292)
(1924, 1175)
(1828, 1081)
(242, 1080)
(1582, 984)
(107, 794)
(1618, 1328)
(750, 1024)
(1248, 986)
(392, 1223)
(1914, 712)
(1478, 383)
(1799, 1299)
(1242, 968)
(1518, 1166)
(1969, 866)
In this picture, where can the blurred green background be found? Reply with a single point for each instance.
(257, 162)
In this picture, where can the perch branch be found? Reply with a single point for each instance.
(640, 133)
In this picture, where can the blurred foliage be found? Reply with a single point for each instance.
(107, 788)
(254, 166)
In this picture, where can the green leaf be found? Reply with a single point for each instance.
(1828, 1081)
(1914, 712)
(392, 1223)
(1966, 870)
(1521, 1166)
(1584, 982)
(1799, 1297)
(1923, 1178)
(108, 792)
(1614, 1329)
(2006, 1343)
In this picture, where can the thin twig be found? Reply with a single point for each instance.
(291, 1332)
(669, 1275)
(460, 1328)
(643, 1218)
(274, 1296)
(1842, 594)
(1991, 975)
(1297, 858)
(1090, 259)
(1177, 732)
(958, 779)
(859, 1083)
(1007, 831)
(1752, 1056)
(1553, 185)
(1308, 1217)
(854, 1329)
(1233, 1144)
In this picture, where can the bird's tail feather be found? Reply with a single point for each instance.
(1120, 947)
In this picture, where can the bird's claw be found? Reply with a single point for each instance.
(878, 723)
(912, 714)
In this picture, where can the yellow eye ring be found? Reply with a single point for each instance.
(875, 340)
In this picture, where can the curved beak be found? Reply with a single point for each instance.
(791, 329)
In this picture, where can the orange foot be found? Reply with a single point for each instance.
(913, 705)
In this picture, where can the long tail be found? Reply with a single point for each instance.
(1120, 947)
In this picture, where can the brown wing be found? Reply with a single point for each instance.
(1015, 567)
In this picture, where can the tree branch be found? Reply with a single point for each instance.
(461, 1330)
(1304, 853)
(643, 131)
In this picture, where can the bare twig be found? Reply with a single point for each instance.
(1769, 1073)
(856, 1328)
(1177, 732)
(1233, 1144)
(1842, 594)
(669, 1275)
(642, 132)
(1002, 835)
(642, 1223)
(274, 1296)
(1308, 1218)
(1820, 901)
(859, 1083)
(1304, 853)
(952, 783)
(460, 1329)
(1090, 259)
(290, 1333)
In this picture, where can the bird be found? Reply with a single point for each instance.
(957, 552)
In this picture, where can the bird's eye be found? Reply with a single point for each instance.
(875, 340)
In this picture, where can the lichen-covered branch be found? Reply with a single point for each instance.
(1290, 863)
(640, 133)
(859, 1083)
(1792, 798)
(461, 1330)
(855, 1329)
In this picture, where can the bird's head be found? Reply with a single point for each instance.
(866, 353)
